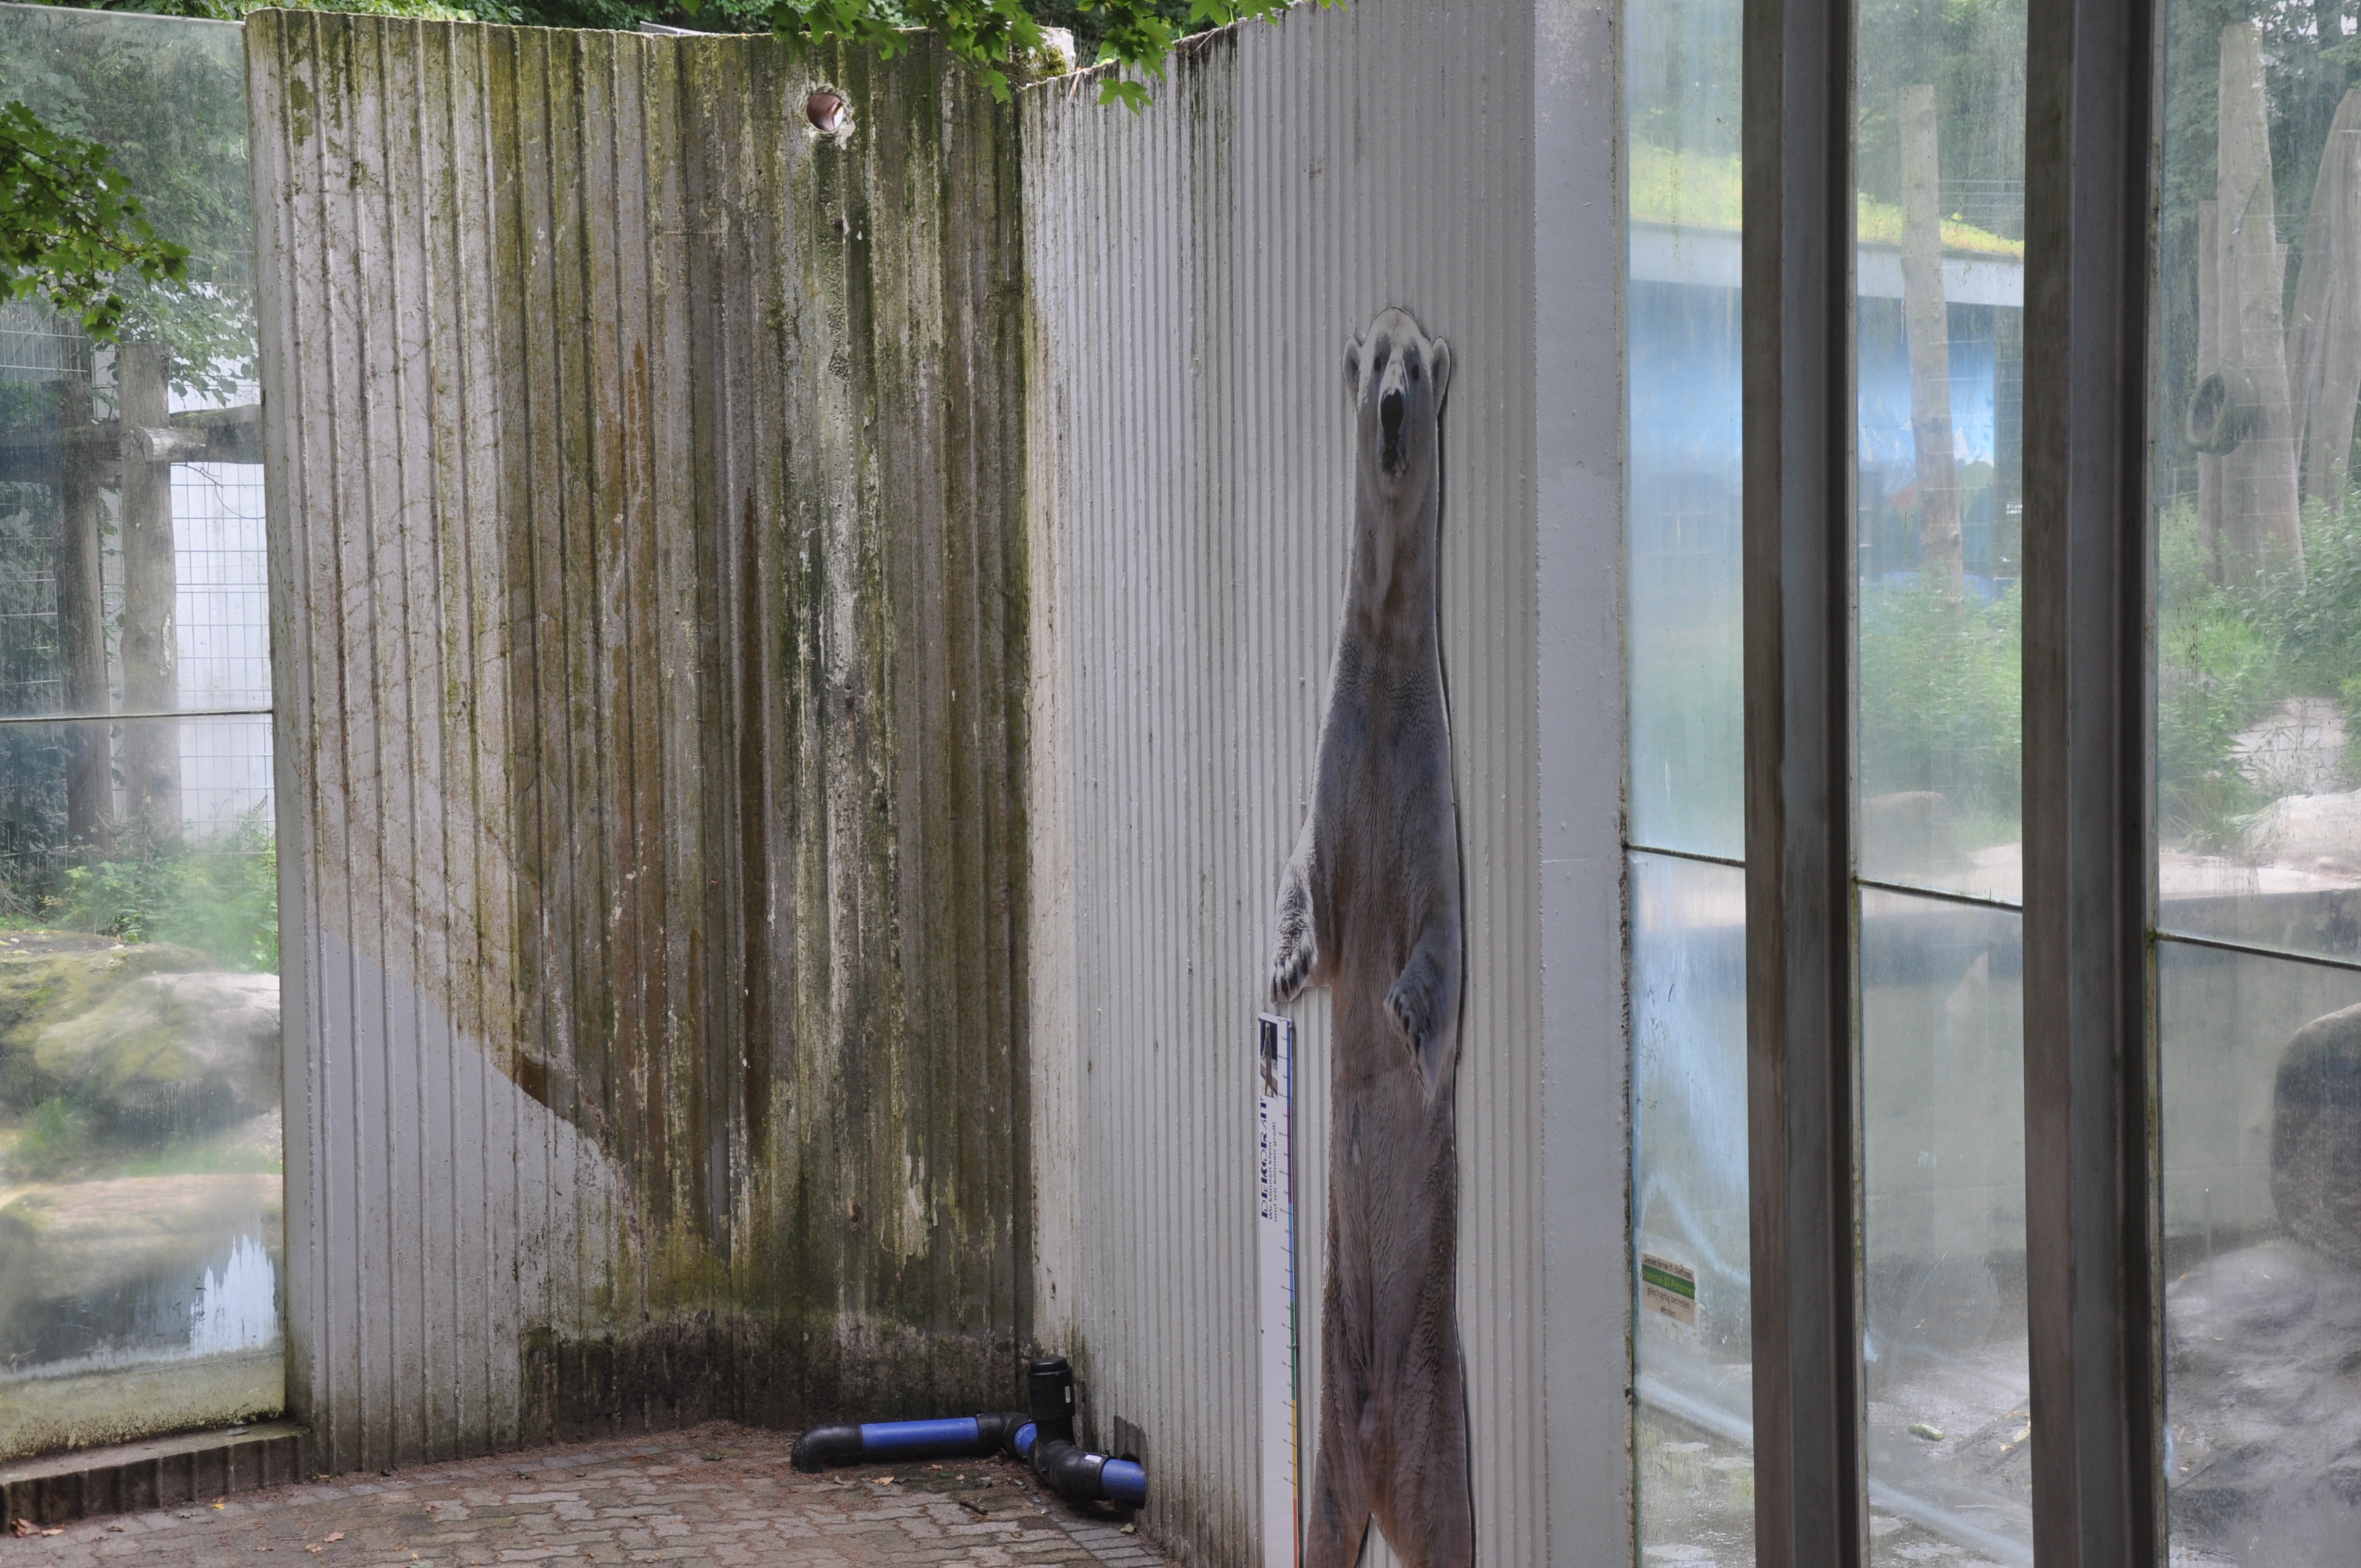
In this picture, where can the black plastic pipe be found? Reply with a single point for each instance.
(1043, 1440)
(1047, 1442)
(1071, 1472)
(958, 1437)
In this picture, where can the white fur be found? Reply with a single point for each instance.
(1369, 905)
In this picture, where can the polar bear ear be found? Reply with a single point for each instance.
(1438, 355)
(1352, 369)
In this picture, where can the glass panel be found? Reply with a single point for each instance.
(139, 1092)
(1943, 1230)
(1941, 376)
(1682, 328)
(1940, 369)
(2261, 1143)
(140, 1181)
(130, 485)
(1688, 1140)
(2259, 543)
(1693, 1427)
(2258, 785)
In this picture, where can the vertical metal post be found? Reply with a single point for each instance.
(2089, 1180)
(1801, 1062)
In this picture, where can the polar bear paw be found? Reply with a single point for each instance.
(1290, 968)
(1413, 1003)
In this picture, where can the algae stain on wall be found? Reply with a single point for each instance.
(658, 626)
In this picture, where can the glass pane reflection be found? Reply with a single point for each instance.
(1689, 1265)
(1682, 325)
(2261, 1106)
(1940, 347)
(141, 1155)
(2258, 684)
(131, 559)
(1943, 1224)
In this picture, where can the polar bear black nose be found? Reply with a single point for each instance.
(1389, 414)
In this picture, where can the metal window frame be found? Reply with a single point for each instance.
(2089, 837)
(2092, 1247)
(1803, 1092)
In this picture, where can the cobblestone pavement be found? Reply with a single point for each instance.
(721, 1495)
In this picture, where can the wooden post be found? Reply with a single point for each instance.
(82, 629)
(2209, 359)
(151, 747)
(2260, 533)
(2324, 337)
(1928, 325)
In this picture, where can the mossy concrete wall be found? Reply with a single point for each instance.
(650, 625)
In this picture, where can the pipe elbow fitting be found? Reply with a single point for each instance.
(824, 1446)
(1067, 1470)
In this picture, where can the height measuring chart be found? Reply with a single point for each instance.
(1275, 1279)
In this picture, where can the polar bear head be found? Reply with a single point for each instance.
(1395, 377)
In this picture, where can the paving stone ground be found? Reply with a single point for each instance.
(716, 1495)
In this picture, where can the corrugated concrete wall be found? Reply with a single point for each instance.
(649, 622)
(1194, 272)
(1580, 248)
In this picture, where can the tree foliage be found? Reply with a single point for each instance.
(1135, 36)
(69, 224)
(168, 106)
(86, 126)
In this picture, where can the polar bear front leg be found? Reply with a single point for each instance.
(1425, 1000)
(1298, 939)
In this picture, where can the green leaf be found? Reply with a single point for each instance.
(1115, 90)
(1137, 36)
(69, 227)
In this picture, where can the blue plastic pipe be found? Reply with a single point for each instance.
(919, 1439)
(1125, 1482)
(954, 1437)
(1045, 1442)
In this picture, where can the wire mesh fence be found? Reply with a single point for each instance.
(220, 633)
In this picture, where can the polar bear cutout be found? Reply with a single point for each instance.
(1369, 906)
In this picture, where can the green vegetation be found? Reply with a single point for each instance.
(54, 1135)
(1136, 35)
(69, 225)
(231, 1154)
(1940, 704)
(221, 899)
(2227, 657)
(1139, 35)
(1939, 683)
(162, 120)
(170, 263)
(1701, 190)
(1973, 53)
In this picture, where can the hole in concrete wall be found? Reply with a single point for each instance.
(824, 109)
